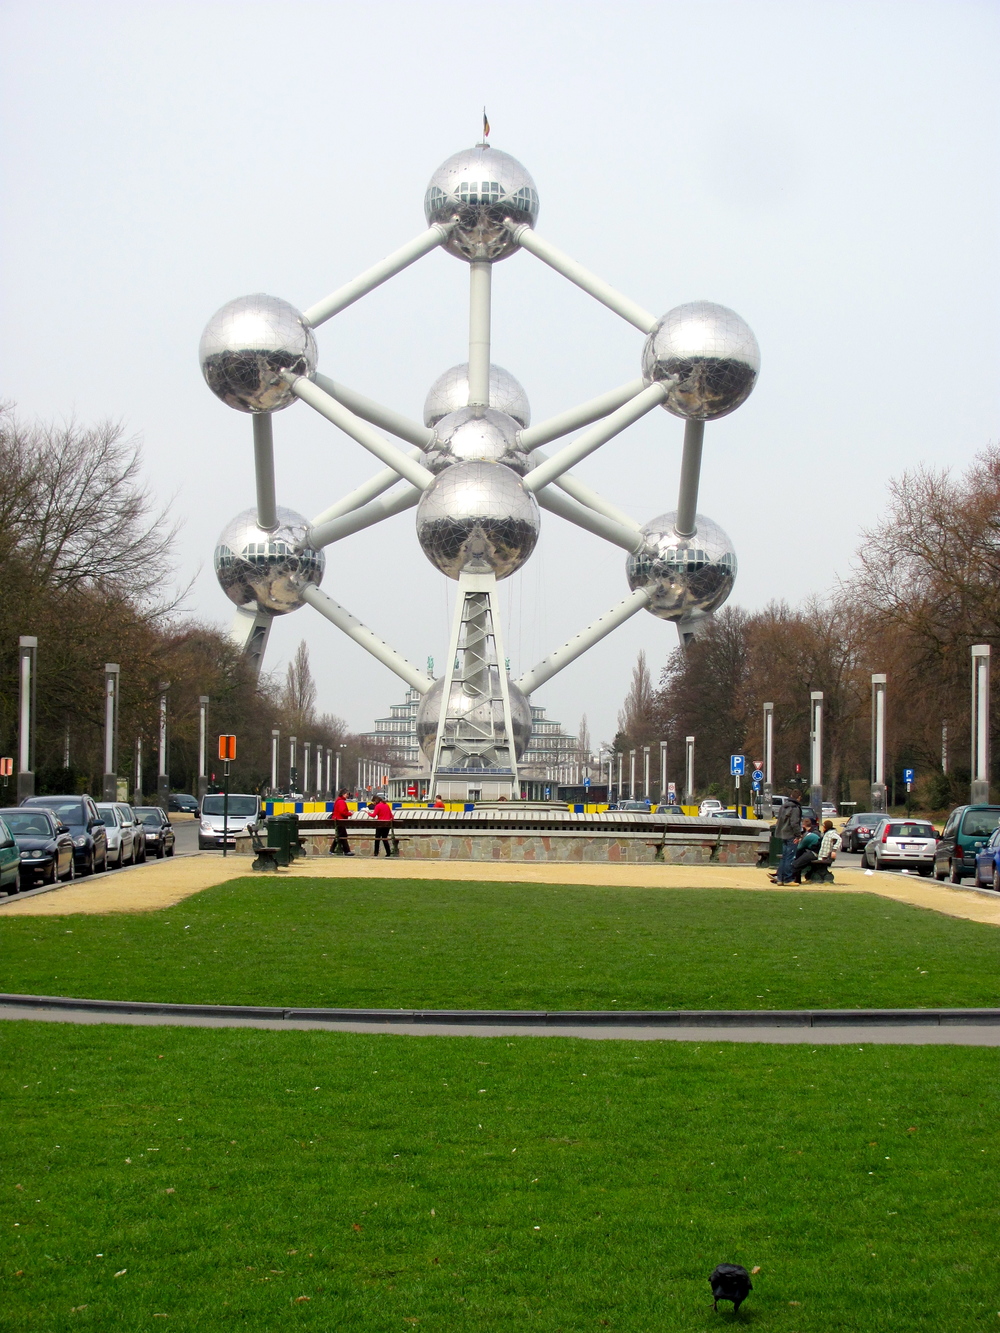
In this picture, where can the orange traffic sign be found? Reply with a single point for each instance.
(227, 747)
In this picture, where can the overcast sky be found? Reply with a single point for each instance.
(828, 170)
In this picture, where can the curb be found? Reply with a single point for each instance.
(684, 1018)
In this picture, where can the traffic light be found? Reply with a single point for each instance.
(227, 747)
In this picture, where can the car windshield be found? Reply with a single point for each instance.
(911, 831)
(867, 820)
(151, 815)
(69, 812)
(107, 813)
(28, 824)
(980, 823)
(238, 805)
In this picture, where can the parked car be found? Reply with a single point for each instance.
(10, 861)
(138, 832)
(181, 802)
(829, 810)
(243, 811)
(857, 831)
(637, 807)
(968, 829)
(121, 838)
(908, 843)
(90, 837)
(987, 863)
(45, 844)
(708, 806)
(158, 829)
(674, 811)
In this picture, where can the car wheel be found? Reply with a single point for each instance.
(159, 851)
(170, 850)
(16, 885)
(956, 872)
(925, 871)
(70, 874)
(50, 876)
(995, 886)
(142, 856)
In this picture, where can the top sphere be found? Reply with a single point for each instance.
(483, 188)
(450, 391)
(245, 347)
(477, 435)
(713, 355)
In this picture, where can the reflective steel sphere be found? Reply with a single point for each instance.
(267, 570)
(477, 517)
(245, 347)
(477, 710)
(483, 187)
(713, 353)
(477, 435)
(683, 574)
(450, 391)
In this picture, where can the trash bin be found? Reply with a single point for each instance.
(283, 834)
(774, 850)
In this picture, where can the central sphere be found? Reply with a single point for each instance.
(245, 347)
(683, 574)
(450, 391)
(477, 517)
(482, 187)
(267, 571)
(711, 352)
(477, 435)
(475, 708)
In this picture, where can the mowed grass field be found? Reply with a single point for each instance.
(441, 945)
(204, 1180)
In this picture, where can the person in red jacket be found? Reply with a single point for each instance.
(382, 814)
(341, 814)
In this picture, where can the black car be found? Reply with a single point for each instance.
(90, 837)
(45, 844)
(181, 802)
(858, 830)
(159, 830)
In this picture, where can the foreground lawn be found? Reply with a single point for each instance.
(439, 945)
(219, 1179)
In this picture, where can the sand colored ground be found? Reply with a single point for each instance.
(161, 884)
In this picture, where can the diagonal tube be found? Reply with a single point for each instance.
(374, 277)
(361, 634)
(592, 439)
(575, 417)
(583, 641)
(364, 516)
(368, 410)
(629, 536)
(368, 490)
(582, 277)
(415, 473)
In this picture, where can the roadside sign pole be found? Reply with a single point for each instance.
(225, 812)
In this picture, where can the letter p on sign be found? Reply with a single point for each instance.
(227, 747)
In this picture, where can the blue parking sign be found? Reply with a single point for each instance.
(907, 774)
(737, 765)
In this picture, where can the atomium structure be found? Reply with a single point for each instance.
(475, 471)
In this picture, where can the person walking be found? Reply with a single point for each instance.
(787, 828)
(382, 814)
(438, 804)
(341, 814)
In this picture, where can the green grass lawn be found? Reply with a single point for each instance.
(209, 1179)
(431, 944)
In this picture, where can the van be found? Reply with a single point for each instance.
(214, 826)
(969, 828)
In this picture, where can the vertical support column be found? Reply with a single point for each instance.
(275, 737)
(336, 780)
(768, 753)
(687, 499)
(27, 693)
(263, 458)
(163, 775)
(980, 789)
(319, 771)
(480, 299)
(202, 747)
(293, 769)
(449, 676)
(618, 792)
(137, 784)
(631, 775)
(688, 770)
(944, 747)
(645, 772)
(109, 784)
(327, 788)
(306, 770)
(878, 743)
(816, 752)
(663, 772)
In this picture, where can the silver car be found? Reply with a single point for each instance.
(138, 832)
(902, 844)
(215, 828)
(121, 839)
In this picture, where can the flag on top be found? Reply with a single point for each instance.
(486, 125)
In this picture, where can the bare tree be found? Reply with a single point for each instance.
(299, 695)
(637, 718)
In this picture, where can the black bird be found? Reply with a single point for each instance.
(730, 1282)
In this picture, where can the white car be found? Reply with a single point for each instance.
(902, 843)
(121, 839)
(829, 811)
(710, 806)
(214, 828)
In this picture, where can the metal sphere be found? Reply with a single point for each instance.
(711, 352)
(450, 391)
(685, 575)
(476, 709)
(267, 570)
(245, 347)
(479, 518)
(477, 435)
(483, 188)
